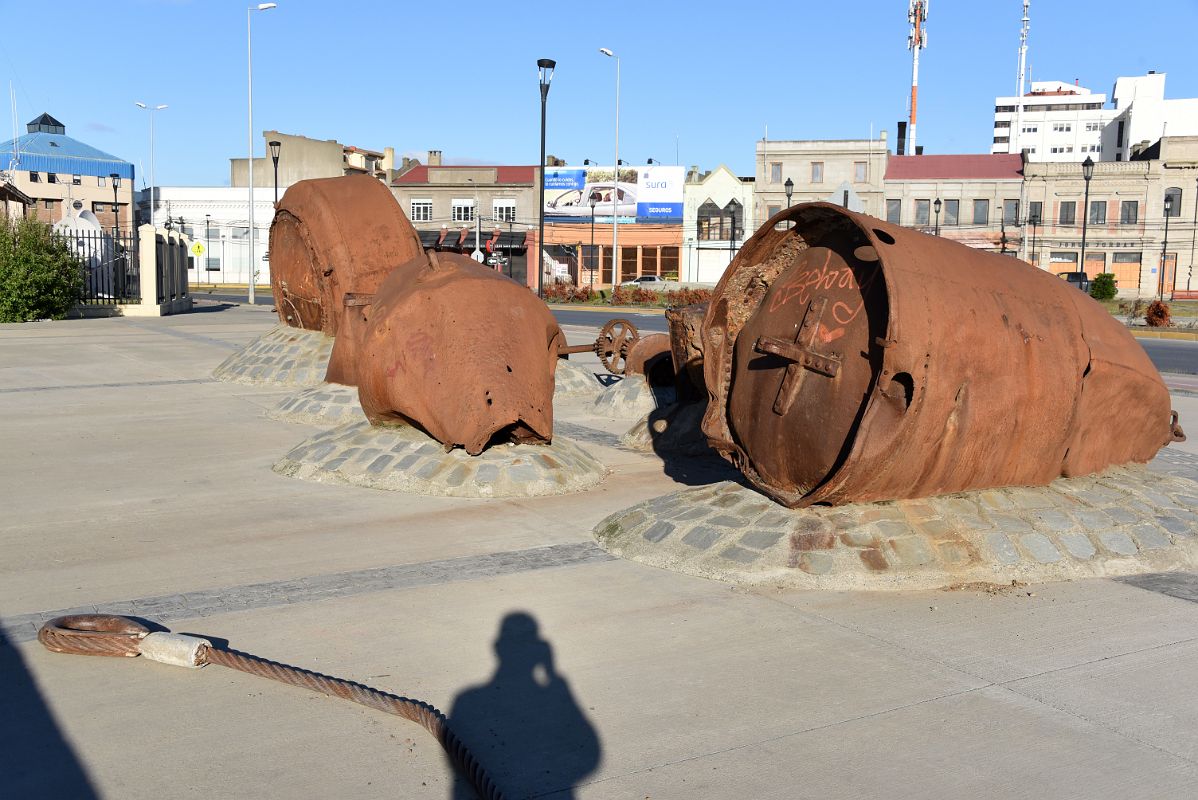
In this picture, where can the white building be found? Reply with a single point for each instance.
(217, 217)
(1059, 121)
(713, 223)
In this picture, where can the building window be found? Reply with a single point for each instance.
(894, 211)
(772, 211)
(1097, 212)
(1068, 215)
(213, 232)
(981, 212)
(859, 171)
(1093, 126)
(51, 177)
(100, 180)
(1174, 195)
(1003, 124)
(1003, 109)
(922, 209)
(1031, 129)
(422, 211)
(1001, 139)
(775, 172)
(76, 180)
(1010, 212)
(35, 177)
(462, 210)
(47, 204)
(1031, 150)
(817, 172)
(1119, 135)
(1062, 127)
(1035, 212)
(952, 212)
(503, 210)
(239, 232)
(669, 262)
(1129, 212)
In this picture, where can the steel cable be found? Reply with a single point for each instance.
(110, 635)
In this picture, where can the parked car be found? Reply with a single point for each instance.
(1079, 279)
(647, 282)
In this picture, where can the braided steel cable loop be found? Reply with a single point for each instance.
(110, 635)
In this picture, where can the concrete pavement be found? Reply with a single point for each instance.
(134, 482)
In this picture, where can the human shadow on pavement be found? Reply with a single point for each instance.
(524, 725)
(35, 758)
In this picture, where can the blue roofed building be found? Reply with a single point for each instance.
(64, 176)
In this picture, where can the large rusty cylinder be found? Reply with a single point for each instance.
(849, 360)
(331, 236)
(344, 359)
(686, 350)
(460, 351)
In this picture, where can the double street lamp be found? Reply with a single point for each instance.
(545, 67)
(153, 189)
(1087, 174)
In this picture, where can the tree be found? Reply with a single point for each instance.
(40, 278)
(1103, 286)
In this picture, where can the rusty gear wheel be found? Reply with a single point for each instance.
(616, 338)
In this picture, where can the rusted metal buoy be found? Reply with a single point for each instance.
(847, 359)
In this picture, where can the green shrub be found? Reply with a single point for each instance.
(40, 278)
(1103, 286)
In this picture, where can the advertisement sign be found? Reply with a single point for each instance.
(642, 194)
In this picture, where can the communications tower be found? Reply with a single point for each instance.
(917, 39)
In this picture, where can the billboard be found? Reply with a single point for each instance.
(642, 194)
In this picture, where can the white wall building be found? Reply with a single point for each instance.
(713, 223)
(1059, 121)
(217, 216)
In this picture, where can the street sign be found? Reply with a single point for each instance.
(477, 255)
(197, 249)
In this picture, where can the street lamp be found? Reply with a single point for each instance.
(936, 206)
(592, 203)
(545, 68)
(116, 184)
(1165, 246)
(615, 193)
(249, 74)
(151, 109)
(1034, 220)
(789, 186)
(1087, 173)
(275, 147)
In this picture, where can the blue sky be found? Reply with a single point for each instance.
(703, 77)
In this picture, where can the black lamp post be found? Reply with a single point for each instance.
(1087, 173)
(116, 184)
(936, 206)
(650, 162)
(592, 202)
(545, 68)
(1165, 246)
(1034, 220)
(789, 187)
(275, 147)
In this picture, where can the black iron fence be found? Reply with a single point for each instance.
(172, 261)
(110, 265)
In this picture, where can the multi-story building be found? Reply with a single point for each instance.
(13, 202)
(63, 176)
(979, 197)
(713, 222)
(847, 172)
(1059, 121)
(301, 158)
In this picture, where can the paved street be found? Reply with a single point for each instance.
(135, 483)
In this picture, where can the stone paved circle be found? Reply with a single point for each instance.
(324, 404)
(574, 380)
(630, 398)
(283, 356)
(1126, 520)
(404, 459)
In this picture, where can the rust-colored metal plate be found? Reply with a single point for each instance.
(686, 349)
(650, 356)
(343, 361)
(460, 351)
(848, 360)
(331, 236)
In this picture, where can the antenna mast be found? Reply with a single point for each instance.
(917, 39)
(1020, 84)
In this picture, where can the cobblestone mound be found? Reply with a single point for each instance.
(631, 398)
(1127, 520)
(283, 356)
(673, 429)
(403, 459)
(325, 404)
(574, 380)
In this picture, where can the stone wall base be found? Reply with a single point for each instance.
(283, 356)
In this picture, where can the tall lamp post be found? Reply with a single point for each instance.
(545, 67)
(275, 147)
(1193, 240)
(1087, 174)
(936, 206)
(789, 186)
(1165, 246)
(592, 203)
(116, 184)
(249, 74)
(1034, 220)
(615, 192)
(151, 109)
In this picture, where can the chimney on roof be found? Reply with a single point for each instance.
(900, 144)
(434, 158)
(919, 149)
(388, 158)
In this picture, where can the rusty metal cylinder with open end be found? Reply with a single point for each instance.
(849, 360)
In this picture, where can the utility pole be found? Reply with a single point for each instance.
(917, 15)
